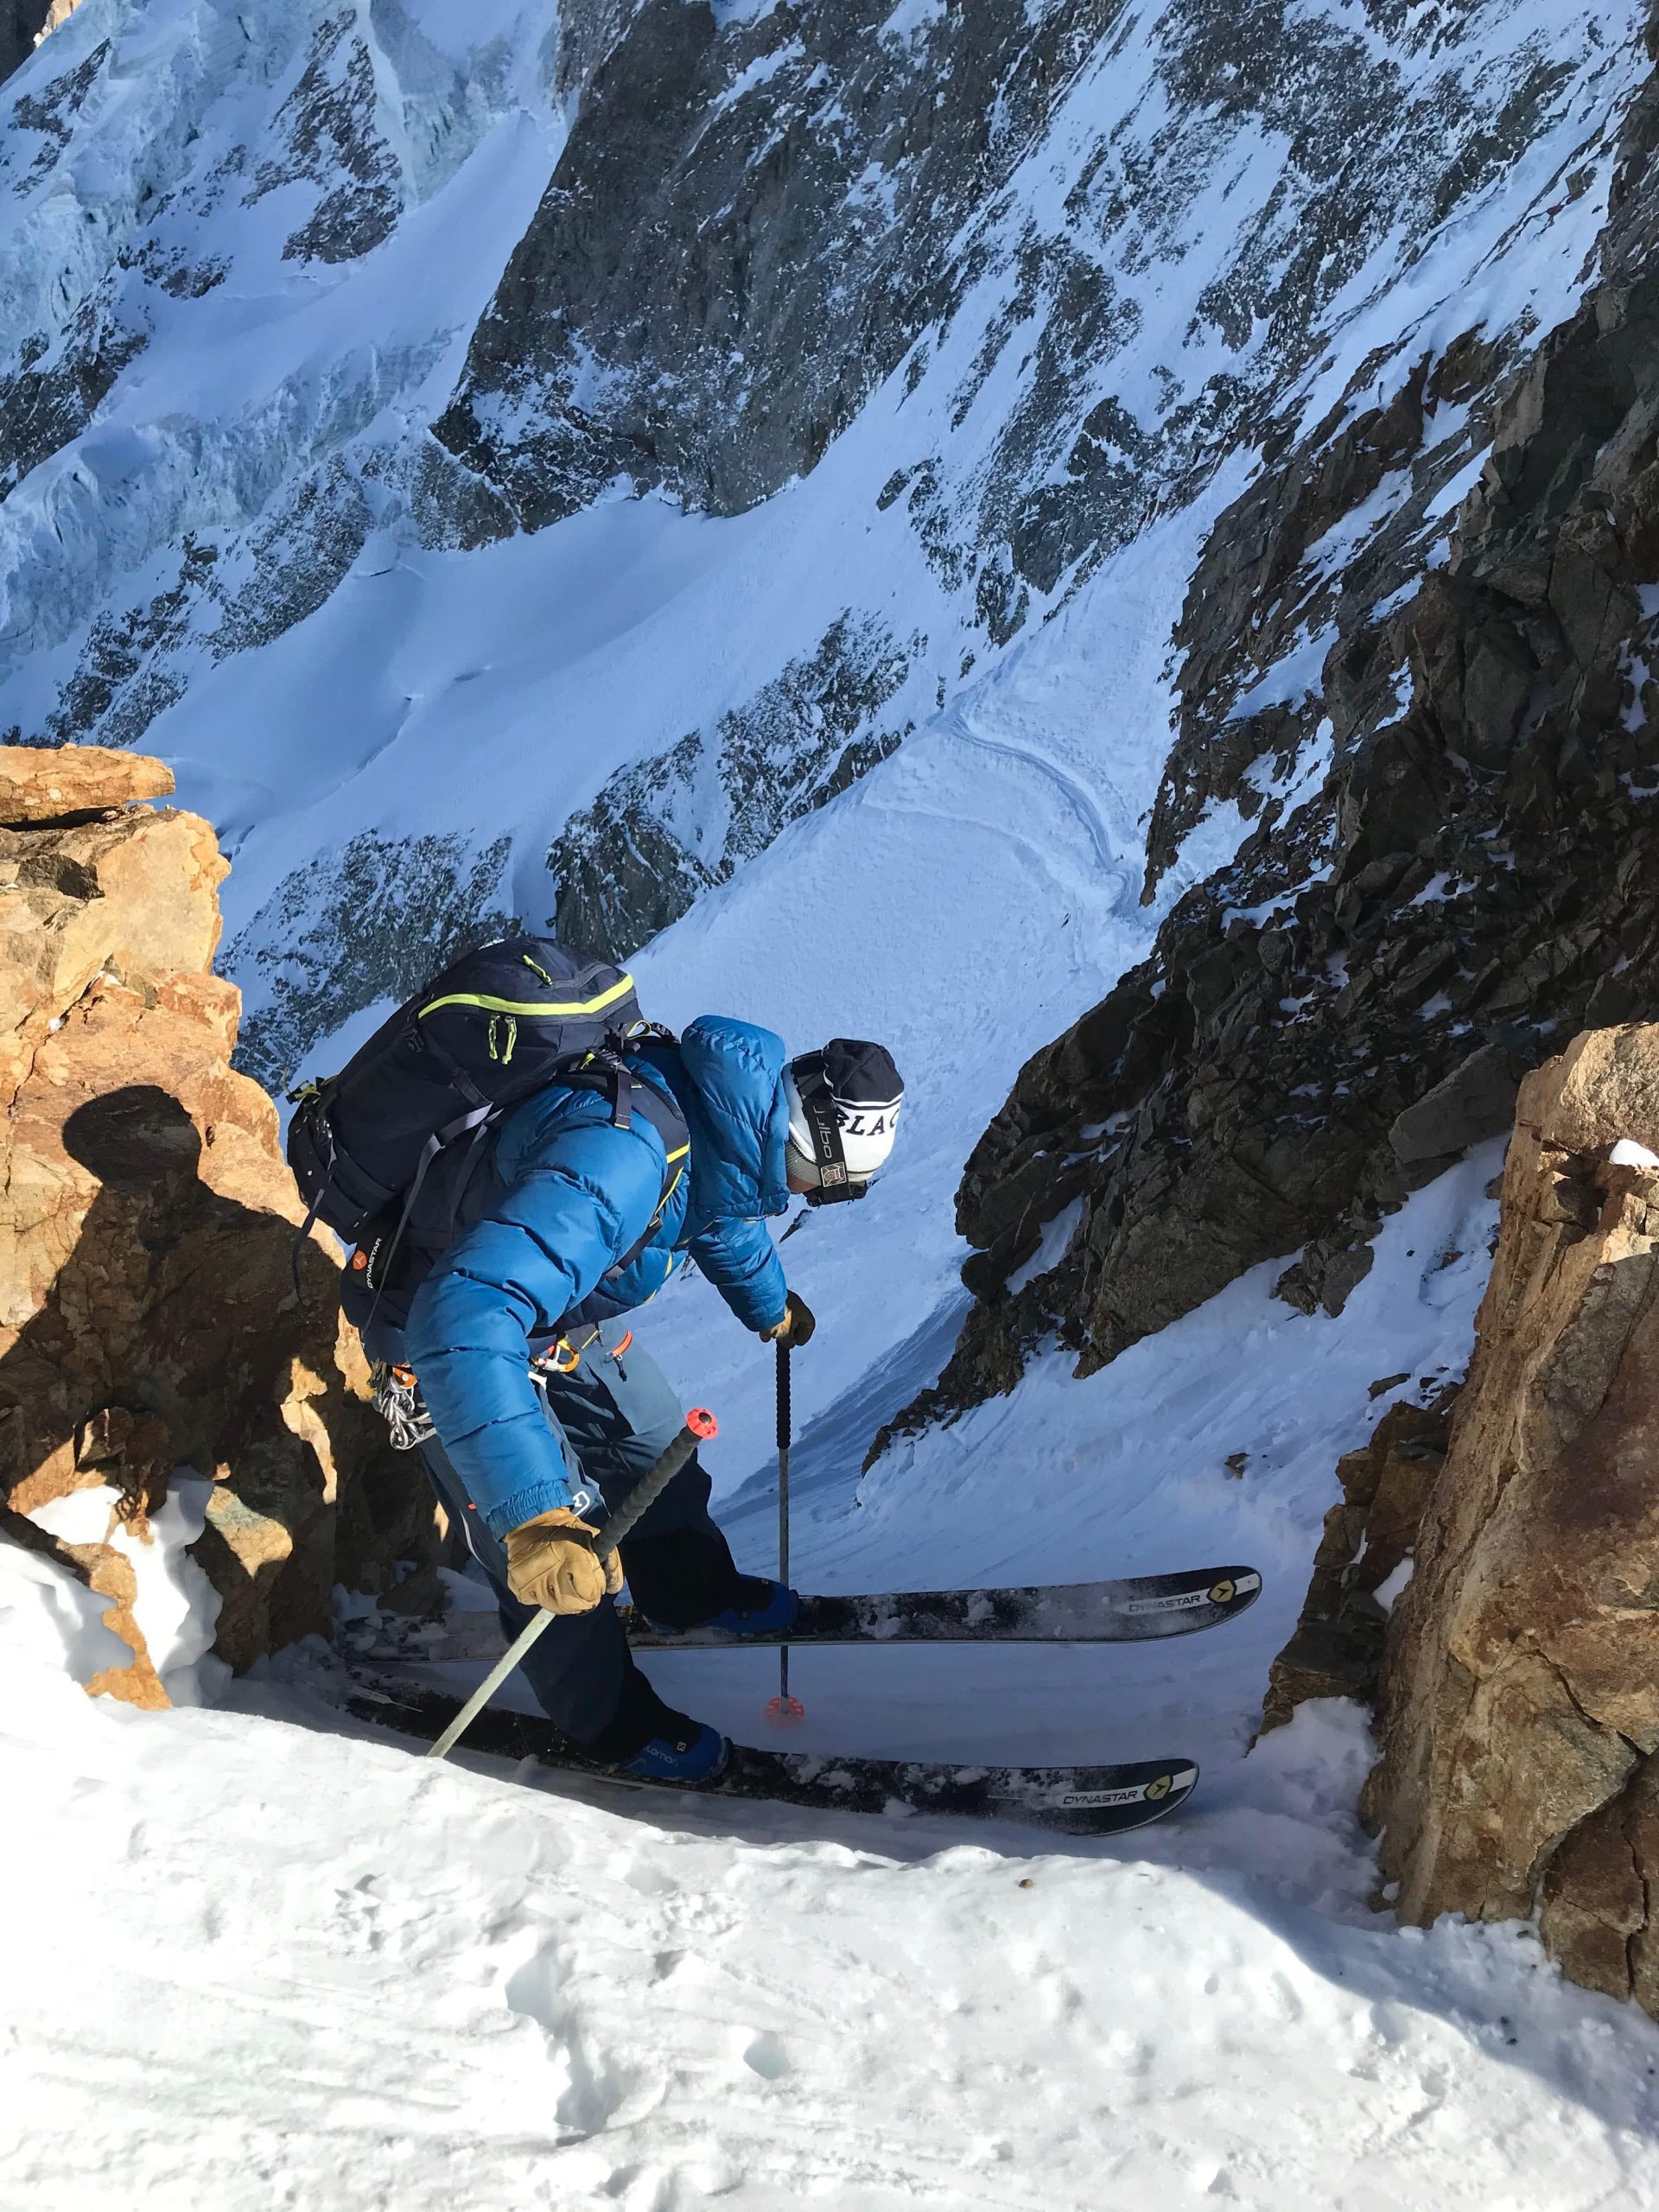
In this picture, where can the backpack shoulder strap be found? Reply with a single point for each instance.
(656, 1104)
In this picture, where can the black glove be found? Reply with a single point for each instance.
(797, 1325)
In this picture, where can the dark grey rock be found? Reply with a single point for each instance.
(288, 564)
(1477, 1099)
(664, 317)
(117, 686)
(60, 382)
(229, 596)
(47, 111)
(326, 134)
(726, 264)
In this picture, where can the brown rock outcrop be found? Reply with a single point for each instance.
(148, 1314)
(1519, 1708)
(1337, 1648)
(43, 784)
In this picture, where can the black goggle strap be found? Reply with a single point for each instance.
(823, 1124)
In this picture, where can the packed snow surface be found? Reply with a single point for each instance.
(269, 1959)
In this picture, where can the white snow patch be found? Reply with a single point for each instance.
(1627, 1152)
(912, 17)
(1347, 537)
(1052, 1246)
(1294, 676)
(174, 1607)
(1388, 1591)
(760, 71)
(1456, 489)
(1392, 602)
(1638, 673)
(1305, 774)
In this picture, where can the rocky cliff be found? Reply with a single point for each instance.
(1517, 1673)
(1452, 854)
(149, 1318)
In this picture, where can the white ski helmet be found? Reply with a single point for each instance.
(843, 1113)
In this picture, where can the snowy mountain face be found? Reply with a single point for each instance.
(749, 377)
(981, 459)
(1326, 1022)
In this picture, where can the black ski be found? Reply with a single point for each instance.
(1127, 1611)
(1131, 1610)
(1078, 1800)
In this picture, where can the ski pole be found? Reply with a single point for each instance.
(784, 1711)
(700, 1425)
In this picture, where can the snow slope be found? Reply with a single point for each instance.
(272, 1961)
(435, 1992)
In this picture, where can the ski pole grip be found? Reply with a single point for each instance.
(700, 1425)
(784, 1417)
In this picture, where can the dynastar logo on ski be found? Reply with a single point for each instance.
(1229, 1593)
(1156, 1792)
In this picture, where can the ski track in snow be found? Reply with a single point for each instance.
(1071, 788)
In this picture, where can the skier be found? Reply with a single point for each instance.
(546, 1410)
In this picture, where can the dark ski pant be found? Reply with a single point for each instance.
(613, 1415)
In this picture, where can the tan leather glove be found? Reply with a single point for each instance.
(550, 1563)
(796, 1326)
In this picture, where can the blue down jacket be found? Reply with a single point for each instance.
(573, 1193)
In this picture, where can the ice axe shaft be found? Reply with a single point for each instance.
(700, 1425)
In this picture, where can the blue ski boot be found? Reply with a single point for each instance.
(763, 1609)
(695, 1757)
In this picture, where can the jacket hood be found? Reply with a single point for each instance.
(735, 1071)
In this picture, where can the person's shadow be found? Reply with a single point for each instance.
(173, 1334)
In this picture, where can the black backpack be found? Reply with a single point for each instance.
(408, 1117)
